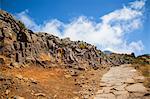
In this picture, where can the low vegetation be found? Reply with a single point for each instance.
(21, 25)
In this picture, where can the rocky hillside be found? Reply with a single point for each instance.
(22, 46)
(43, 65)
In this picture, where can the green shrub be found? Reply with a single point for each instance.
(21, 25)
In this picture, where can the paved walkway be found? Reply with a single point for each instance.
(122, 82)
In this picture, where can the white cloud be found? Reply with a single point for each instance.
(52, 27)
(107, 34)
(28, 21)
(138, 4)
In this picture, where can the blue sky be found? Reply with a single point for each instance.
(116, 25)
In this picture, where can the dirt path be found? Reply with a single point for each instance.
(122, 82)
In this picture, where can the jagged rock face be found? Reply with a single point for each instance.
(118, 59)
(23, 46)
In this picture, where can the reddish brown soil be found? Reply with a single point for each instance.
(36, 81)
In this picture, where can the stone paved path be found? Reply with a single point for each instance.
(122, 82)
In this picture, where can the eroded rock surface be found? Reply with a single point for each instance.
(23, 46)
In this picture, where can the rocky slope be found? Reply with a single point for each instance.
(23, 46)
(40, 65)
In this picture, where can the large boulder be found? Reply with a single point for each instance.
(2, 61)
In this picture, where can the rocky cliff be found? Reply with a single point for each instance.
(23, 46)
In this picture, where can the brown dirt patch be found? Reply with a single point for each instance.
(34, 80)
